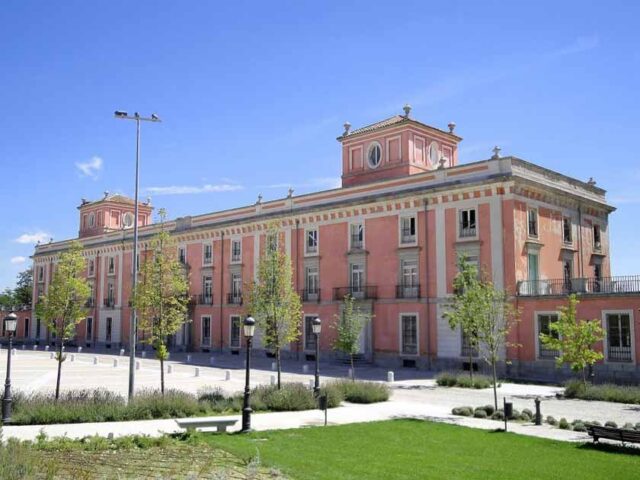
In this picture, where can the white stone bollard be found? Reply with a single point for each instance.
(13, 351)
(212, 361)
(79, 349)
(169, 368)
(188, 358)
(95, 360)
(121, 352)
(312, 383)
(349, 373)
(51, 355)
(72, 358)
(24, 346)
(46, 348)
(168, 355)
(305, 368)
(273, 379)
(115, 362)
(274, 365)
(35, 347)
(137, 364)
(197, 371)
(64, 348)
(390, 377)
(227, 375)
(144, 354)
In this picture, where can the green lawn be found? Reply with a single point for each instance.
(416, 449)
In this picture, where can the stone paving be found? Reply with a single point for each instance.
(414, 393)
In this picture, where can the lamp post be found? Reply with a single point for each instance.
(249, 329)
(10, 324)
(316, 327)
(133, 323)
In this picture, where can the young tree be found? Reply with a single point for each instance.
(273, 301)
(465, 308)
(495, 321)
(63, 306)
(349, 327)
(161, 297)
(574, 339)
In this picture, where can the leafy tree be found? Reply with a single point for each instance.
(465, 308)
(273, 300)
(574, 339)
(24, 287)
(63, 306)
(161, 296)
(349, 327)
(7, 298)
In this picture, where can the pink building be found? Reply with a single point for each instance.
(389, 236)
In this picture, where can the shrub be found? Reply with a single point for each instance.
(638, 426)
(490, 409)
(579, 427)
(525, 417)
(466, 411)
(479, 413)
(528, 412)
(362, 392)
(515, 415)
(455, 411)
(447, 379)
(551, 421)
(564, 425)
(334, 395)
(611, 424)
(290, 397)
(596, 423)
(628, 426)
(498, 415)
(605, 392)
(174, 403)
(462, 380)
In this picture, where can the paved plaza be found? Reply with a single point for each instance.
(414, 393)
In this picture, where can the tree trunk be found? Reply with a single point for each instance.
(59, 369)
(471, 366)
(162, 376)
(353, 369)
(278, 365)
(584, 378)
(495, 385)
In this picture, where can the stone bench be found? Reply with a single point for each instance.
(203, 424)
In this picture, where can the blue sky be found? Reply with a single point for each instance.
(253, 94)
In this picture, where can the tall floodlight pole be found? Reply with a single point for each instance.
(134, 259)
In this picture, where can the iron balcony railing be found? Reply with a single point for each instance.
(204, 299)
(619, 354)
(234, 298)
(604, 285)
(544, 352)
(89, 303)
(408, 291)
(466, 232)
(467, 351)
(109, 302)
(360, 292)
(356, 241)
(310, 295)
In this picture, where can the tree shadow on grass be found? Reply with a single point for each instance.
(611, 448)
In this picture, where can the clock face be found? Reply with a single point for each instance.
(127, 220)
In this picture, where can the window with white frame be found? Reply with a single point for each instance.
(272, 241)
(41, 274)
(532, 222)
(234, 331)
(312, 280)
(309, 336)
(618, 337)
(597, 240)
(409, 329)
(407, 230)
(357, 278)
(92, 220)
(206, 330)
(207, 254)
(236, 287)
(236, 250)
(110, 295)
(409, 286)
(467, 223)
(182, 255)
(91, 267)
(108, 329)
(311, 242)
(468, 345)
(356, 235)
(207, 290)
(567, 230)
(545, 320)
(111, 266)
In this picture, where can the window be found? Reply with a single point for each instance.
(532, 272)
(272, 242)
(311, 243)
(309, 336)
(467, 223)
(567, 274)
(544, 322)
(109, 302)
(409, 328)
(469, 347)
(566, 230)
(127, 220)
(206, 331)
(26, 328)
(234, 331)
(108, 330)
(91, 267)
(236, 288)
(357, 235)
(40, 274)
(374, 155)
(409, 286)
(311, 281)
(357, 278)
(182, 255)
(207, 290)
(433, 154)
(38, 328)
(618, 337)
(532, 216)
(111, 266)
(89, 333)
(597, 241)
(408, 230)
(207, 254)
(92, 220)
(236, 250)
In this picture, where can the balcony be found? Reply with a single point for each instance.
(109, 302)
(356, 242)
(310, 295)
(362, 292)
(467, 232)
(234, 298)
(408, 291)
(204, 299)
(547, 353)
(619, 354)
(593, 286)
(467, 351)
(90, 303)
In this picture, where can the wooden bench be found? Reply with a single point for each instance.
(207, 423)
(611, 433)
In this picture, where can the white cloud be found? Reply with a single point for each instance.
(33, 237)
(18, 260)
(90, 168)
(191, 189)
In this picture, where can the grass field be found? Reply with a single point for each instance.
(412, 449)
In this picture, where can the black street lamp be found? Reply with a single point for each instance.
(10, 324)
(249, 328)
(317, 326)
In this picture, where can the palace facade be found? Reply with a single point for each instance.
(389, 236)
